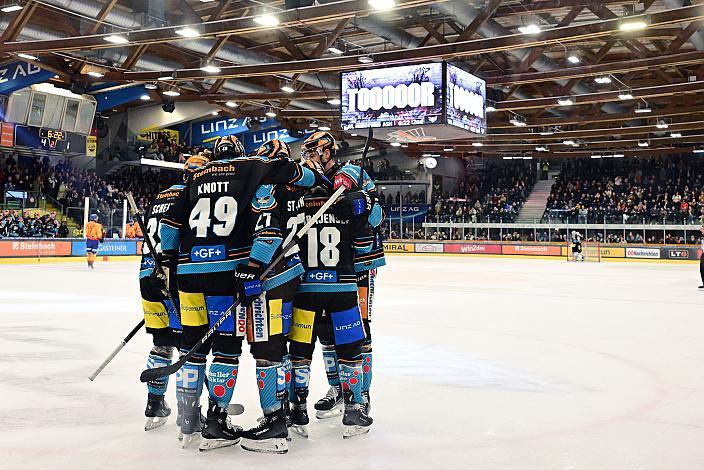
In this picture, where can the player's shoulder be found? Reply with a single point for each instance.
(264, 197)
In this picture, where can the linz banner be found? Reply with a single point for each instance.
(410, 212)
(17, 75)
(204, 132)
(255, 139)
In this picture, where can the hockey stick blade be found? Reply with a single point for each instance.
(159, 372)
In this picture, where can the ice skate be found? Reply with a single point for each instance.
(157, 412)
(269, 436)
(191, 424)
(367, 403)
(299, 419)
(355, 419)
(218, 431)
(330, 405)
(179, 420)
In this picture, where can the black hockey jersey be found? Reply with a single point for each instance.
(161, 204)
(212, 224)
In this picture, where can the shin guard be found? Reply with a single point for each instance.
(222, 378)
(330, 359)
(158, 357)
(351, 379)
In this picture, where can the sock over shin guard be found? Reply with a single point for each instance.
(301, 375)
(222, 378)
(351, 379)
(330, 359)
(367, 370)
(268, 378)
(190, 379)
(287, 372)
(158, 357)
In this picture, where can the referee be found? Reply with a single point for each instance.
(701, 260)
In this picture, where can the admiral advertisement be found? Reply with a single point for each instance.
(391, 247)
(390, 97)
(465, 100)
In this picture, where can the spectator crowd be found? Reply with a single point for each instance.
(15, 224)
(666, 190)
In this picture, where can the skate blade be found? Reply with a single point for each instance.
(354, 431)
(275, 445)
(234, 409)
(301, 430)
(211, 444)
(180, 435)
(155, 422)
(187, 439)
(327, 414)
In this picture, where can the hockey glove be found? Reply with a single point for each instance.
(247, 283)
(161, 280)
(353, 204)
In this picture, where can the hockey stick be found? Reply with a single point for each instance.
(152, 374)
(148, 241)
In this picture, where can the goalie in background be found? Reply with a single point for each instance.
(576, 241)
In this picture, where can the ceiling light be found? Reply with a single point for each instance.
(565, 101)
(354, 134)
(11, 8)
(643, 143)
(643, 109)
(150, 86)
(382, 4)
(596, 156)
(116, 39)
(430, 162)
(541, 148)
(490, 108)
(210, 68)
(625, 95)
(287, 89)
(662, 124)
(266, 20)
(27, 56)
(518, 121)
(633, 24)
(573, 59)
(335, 50)
(334, 101)
(508, 158)
(530, 29)
(168, 76)
(231, 104)
(547, 131)
(395, 144)
(405, 146)
(187, 32)
(619, 155)
(568, 142)
(602, 80)
(425, 155)
(698, 150)
(526, 157)
(327, 128)
(477, 144)
(214, 113)
(365, 59)
(448, 149)
(172, 93)
(675, 134)
(270, 113)
(315, 124)
(96, 74)
(144, 98)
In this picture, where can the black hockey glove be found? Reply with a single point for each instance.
(321, 181)
(247, 283)
(352, 204)
(161, 280)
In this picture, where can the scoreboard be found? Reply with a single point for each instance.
(50, 140)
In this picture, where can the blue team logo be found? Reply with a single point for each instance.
(321, 276)
(208, 253)
(295, 259)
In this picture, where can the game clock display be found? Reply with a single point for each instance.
(51, 140)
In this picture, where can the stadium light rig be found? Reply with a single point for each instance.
(116, 39)
(518, 121)
(382, 5)
(27, 56)
(267, 19)
(633, 24)
(11, 8)
(187, 32)
(643, 109)
(625, 95)
(573, 59)
(287, 89)
(662, 124)
(602, 80)
(643, 143)
(675, 134)
(698, 150)
(567, 101)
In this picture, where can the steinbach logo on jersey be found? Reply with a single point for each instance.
(168, 194)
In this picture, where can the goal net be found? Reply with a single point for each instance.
(591, 252)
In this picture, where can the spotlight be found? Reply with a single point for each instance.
(210, 68)
(541, 148)
(449, 149)
(365, 59)
(532, 28)
(643, 109)
(266, 19)
(271, 113)
(287, 89)
(214, 113)
(625, 95)
(662, 124)
(144, 98)
(231, 104)
(96, 74)
(395, 144)
(567, 101)
(382, 4)
(431, 163)
(547, 131)
(602, 80)
(187, 32)
(573, 59)
(477, 144)
(325, 127)
(334, 101)
(619, 155)
(11, 8)
(675, 134)
(643, 143)
(518, 121)
(568, 142)
(633, 24)
(168, 76)
(314, 125)
(172, 93)
(27, 56)
(490, 108)
(335, 50)
(168, 106)
(116, 39)
(150, 86)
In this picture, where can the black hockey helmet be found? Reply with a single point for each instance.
(228, 147)
(274, 149)
(318, 142)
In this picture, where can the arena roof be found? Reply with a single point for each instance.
(647, 56)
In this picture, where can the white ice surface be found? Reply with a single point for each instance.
(480, 363)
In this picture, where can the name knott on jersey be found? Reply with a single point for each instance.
(213, 187)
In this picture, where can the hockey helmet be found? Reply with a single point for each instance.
(94, 217)
(318, 142)
(274, 149)
(228, 147)
(194, 163)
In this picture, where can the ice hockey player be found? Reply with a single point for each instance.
(365, 266)
(326, 307)
(210, 230)
(160, 306)
(279, 211)
(576, 240)
(94, 236)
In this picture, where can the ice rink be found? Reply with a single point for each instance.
(480, 363)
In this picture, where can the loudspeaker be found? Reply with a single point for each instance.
(168, 106)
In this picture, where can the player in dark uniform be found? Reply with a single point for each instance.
(160, 314)
(210, 230)
(279, 213)
(326, 307)
(576, 240)
(365, 266)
